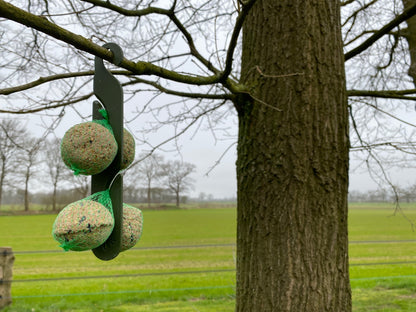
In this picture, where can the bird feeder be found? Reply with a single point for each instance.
(109, 93)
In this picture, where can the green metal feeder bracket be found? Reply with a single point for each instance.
(110, 93)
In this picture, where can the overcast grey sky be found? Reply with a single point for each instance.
(204, 150)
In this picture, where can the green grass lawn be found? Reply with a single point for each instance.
(382, 257)
(199, 277)
(176, 278)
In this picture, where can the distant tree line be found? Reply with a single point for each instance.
(393, 194)
(30, 165)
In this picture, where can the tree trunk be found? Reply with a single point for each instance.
(55, 186)
(292, 167)
(410, 35)
(2, 176)
(148, 194)
(27, 189)
(177, 199)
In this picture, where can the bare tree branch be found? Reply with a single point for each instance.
(400, 146)
(170, 14)
(383, 31)
(140, 68)
(34, 110)
(42, 80)
(234, 38)
(184, 94)
(181, 132)
(126, 12)
(391, 115)
(223, 76)
(346, 2)
(385, 94)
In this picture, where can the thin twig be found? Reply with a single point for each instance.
(276, 76)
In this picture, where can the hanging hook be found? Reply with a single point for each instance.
(110, 95)
(117, 52)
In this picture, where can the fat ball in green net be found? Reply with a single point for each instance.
(132, 227)
(85, 224)
(129, 145)
(88, 148)
(129, 149)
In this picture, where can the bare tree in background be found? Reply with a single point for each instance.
(177, 177)
(28, 162)
(147, 172)
(287, 90)
(81, 184)
(55, 168)
(12, 134)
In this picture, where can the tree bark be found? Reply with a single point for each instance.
(292, 167)
(149, 189)
(2, 177)
(177, 198)
(55, 187)
(27, 177)
(410, 35)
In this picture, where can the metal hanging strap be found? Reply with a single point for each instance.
(109, 92)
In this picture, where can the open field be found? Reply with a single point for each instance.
(186, 260)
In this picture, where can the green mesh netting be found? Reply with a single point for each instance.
(104, 122)
(103, 198)
(85, 224)
(89, 148)
(132, 227)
